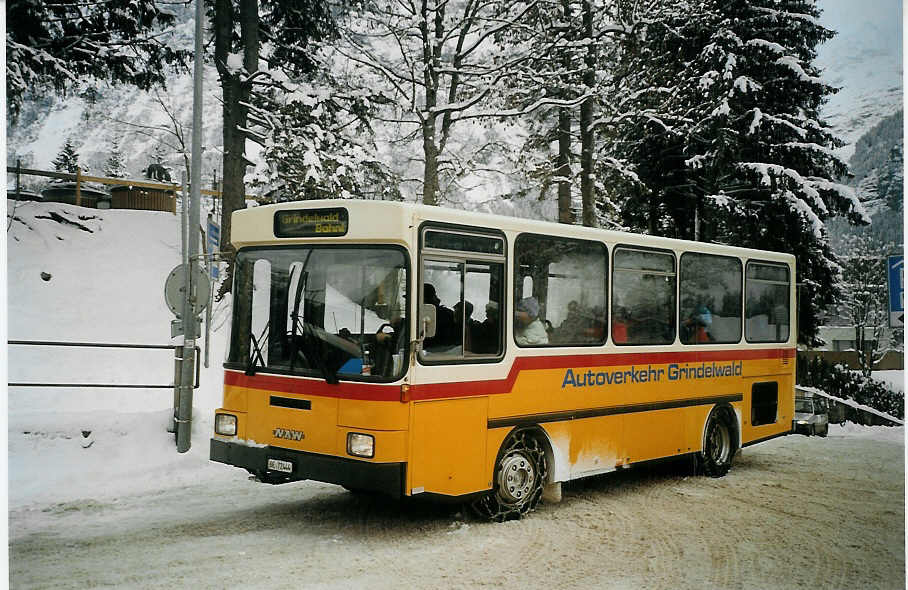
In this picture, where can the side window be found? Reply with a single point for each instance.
(643, 297)
(710, 299)
(560, 291)
(466, 292)
(766, 302)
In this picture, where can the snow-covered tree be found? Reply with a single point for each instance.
(62, 43)
(736, 150)
(878, 165)
(321, 147)
(68, 158)
(260, 46)
(865, 295)
(436, 65)
(115, 166)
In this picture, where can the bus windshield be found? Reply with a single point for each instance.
(330, 312)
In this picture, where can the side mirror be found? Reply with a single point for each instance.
(426, 321)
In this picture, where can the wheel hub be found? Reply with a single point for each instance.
(721, 443)
(516, 478)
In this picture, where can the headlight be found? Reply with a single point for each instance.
(225, 424)
(360, 445)
(802, 421)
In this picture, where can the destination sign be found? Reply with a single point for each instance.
(307, 223)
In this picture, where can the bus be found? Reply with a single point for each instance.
(409, 349)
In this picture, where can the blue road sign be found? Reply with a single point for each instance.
(214, 241)
(896, 273)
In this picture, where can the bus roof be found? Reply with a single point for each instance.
(384, 221)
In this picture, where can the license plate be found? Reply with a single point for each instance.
(280, 465)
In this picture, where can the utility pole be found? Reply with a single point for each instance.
(184, 421)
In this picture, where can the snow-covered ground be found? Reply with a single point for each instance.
(130, 511)
(102, 282)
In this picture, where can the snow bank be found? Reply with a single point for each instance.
(98, 276)
(894, 434)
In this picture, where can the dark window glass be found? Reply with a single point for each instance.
(467, 300)
(766, 302)
(560, 291)
(463, 242)
(643, 297)
(710, 299)
(764, 403)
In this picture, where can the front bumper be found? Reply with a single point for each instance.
(387, 478)
(807, 429)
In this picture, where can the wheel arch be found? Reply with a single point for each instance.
(555, 456)
(733, 419)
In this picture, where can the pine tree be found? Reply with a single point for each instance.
(259, 46)
(59, 44)
(745, 157)
(68, 158)
(115, 166)
(320, 147)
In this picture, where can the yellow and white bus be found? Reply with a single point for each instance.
(412, 350)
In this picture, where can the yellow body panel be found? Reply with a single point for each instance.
(373, 415)
(449, 447)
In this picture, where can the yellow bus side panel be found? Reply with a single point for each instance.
(596, 444)
(373, 415)
(655, 434)
(449, 446)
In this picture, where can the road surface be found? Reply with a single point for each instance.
(793, 512)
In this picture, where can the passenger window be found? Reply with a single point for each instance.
(442, 287)
(710, 299)
(643, 297)
(766, 304)
(560, 294)
(466, 293)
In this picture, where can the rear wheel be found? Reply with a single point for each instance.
(520, 473)
(719, 445)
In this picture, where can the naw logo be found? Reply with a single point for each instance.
(289, 434)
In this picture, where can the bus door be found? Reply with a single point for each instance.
(461, 278)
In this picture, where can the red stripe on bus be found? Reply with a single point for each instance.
(309, 386)
(428, 391)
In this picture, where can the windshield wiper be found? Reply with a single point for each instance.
(318, 349)
(256, 351)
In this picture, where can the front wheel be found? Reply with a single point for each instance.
(520, 473)
(718, 445)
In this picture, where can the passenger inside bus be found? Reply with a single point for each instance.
(619, 325)
(446, 333)
(528, 329)
(695, 329)
(485, 334)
